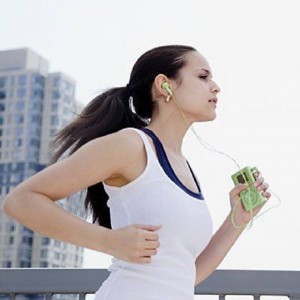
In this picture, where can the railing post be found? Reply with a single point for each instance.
(48, 296)
(256, 297)
(222, 297)
(12, 296)
(81, 296)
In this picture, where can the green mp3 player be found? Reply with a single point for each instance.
(250, 197)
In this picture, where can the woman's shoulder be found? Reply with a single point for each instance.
(130, 140)
(124, 140)
(131, 148)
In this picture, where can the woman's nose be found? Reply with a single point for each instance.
(216, 88)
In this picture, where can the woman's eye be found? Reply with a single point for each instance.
(203, 77)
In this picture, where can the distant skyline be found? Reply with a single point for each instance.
(253, 51)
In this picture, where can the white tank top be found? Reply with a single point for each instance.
(153, 198)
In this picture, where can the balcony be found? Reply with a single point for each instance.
(86, 281)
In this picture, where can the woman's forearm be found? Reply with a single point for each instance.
(215, 251)
(42, 215)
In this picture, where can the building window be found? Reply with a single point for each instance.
(21, 92)
(54, 107)
(35, 142)
(54, 120)
(3, 81)
(7, 264)
(2, 107)
(45, 241)
(19, 119)
(10, 106)
(1, 120)
(22, 79)
(25, 229)
(55, 94)
(43, 264)
(37, 93)
(35, 131)
(11, 227)
(20, 105)
(4, 178)
(69, 86)
(11, 240)
(18, 167)
(25, 254)
(18, 131)
(18, 142)
(56, 81)
(27, 240)
(38, 79)
(44, 253)
(25, 264)
(37, 106)
(2, 95)
(36, 119)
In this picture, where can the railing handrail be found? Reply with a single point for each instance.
(87, 281)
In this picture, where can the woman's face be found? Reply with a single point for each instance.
(196, 89)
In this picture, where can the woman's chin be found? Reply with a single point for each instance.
(207, 118)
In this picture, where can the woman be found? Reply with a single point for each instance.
(129, 157)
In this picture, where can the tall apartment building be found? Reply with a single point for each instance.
(34, 104)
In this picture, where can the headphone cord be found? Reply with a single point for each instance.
(211, 148)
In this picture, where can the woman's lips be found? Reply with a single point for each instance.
(215, 100)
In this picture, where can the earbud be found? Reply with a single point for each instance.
(167, 87)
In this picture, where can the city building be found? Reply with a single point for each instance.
(34, 105)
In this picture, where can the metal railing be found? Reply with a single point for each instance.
(87, 281)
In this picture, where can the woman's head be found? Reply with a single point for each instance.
(166, 60)
(184, 69)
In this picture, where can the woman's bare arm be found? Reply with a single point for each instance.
(227, 234)
(216, 250)
(32, 202)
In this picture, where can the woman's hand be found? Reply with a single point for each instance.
(241, 216)
(134, 243)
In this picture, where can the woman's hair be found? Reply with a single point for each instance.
(111, 111)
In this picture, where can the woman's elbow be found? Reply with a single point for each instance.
(11, 204)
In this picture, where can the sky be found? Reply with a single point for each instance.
(252, 47)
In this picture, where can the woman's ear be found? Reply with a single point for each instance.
(157, 85)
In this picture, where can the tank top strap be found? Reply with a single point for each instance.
(150, 153)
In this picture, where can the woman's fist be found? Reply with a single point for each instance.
(134, 243)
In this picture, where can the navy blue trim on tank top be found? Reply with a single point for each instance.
(165, 164)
